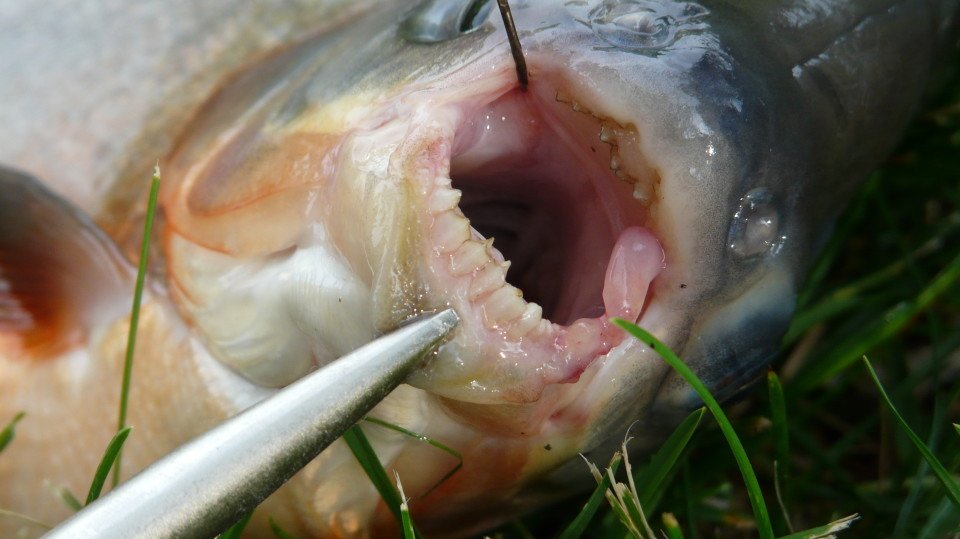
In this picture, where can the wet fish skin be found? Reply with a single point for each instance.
(775, 95)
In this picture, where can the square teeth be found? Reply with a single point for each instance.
(443, 199)
(614, 161)
(530, 319)
(450, 230)
(581, 339)
(489, 278)
(503, 306)
(543, 327)
(608, 135)
(468, 258)
(642, 192)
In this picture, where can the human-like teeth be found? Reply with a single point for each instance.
(503, 306)
(468, 257)
(581, 338)
(451, 229)
(642, 192)
(614, 161)
(530, 319)
(608, 135)
(489, 278)
(443, 199)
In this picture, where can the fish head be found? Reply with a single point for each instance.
(652, 170)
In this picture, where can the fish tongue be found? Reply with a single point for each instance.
(635, 261)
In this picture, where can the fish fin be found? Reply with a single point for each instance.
(60, 275)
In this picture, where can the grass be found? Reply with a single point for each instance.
(109, 460)
(754, 493)
(135, 317)
(9, 431)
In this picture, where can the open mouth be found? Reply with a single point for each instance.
(536, 235)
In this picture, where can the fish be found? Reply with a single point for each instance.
(333, 168)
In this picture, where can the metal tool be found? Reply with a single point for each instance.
(206, 485)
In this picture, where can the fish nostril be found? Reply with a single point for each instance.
(433, 21)
(645, 25)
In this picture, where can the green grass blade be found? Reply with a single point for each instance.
(235, 531)
(279, 532)
(688, 499)
(429, 441)
(847, 352)
(135, 312)
(69, 498)
(615, 501)
(8, 432)
(634, 512)
(24, 518)
(575, 529)
(368, 460)
(944, 518)
(826, 531)
(652, 477)
(781, 442)
(951, 486)
(671, 526)
(917, 489)
(837, 241)
(956, 427)
(406, 523)
(754, 493)
(110, 456)
(846, 298)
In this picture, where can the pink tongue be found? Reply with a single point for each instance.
(636, 259)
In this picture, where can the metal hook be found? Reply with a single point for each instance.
(514, 39)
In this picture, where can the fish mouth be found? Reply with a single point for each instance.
(536, 228)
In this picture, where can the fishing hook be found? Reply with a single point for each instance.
(514, 39)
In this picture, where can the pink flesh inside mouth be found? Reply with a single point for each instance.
(547, 181)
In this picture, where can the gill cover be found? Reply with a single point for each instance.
(61, 278)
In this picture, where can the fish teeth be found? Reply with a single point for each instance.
(614, 161)
(451, 229)
(608, 135)
(543, 327)
(443, 199)
(581, 338)
(529, 320)
(503, 306)
(468, 258)
(489, 278)
(642, 192)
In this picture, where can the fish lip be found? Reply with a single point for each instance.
(530, 351)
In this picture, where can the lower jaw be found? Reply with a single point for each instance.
(528, 180)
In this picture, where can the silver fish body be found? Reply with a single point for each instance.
(333, 168)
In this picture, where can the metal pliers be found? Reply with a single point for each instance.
(206, 485)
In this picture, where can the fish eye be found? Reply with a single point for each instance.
(754, 229)
(433, 21)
